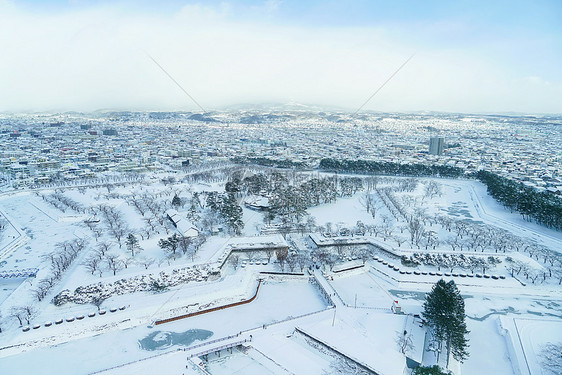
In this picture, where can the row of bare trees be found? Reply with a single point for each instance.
(60, 260)
(103, 258)
(282, 255)
(452, 261)
(109, 182)
(534, 274)
(63, 202)
(23, 313)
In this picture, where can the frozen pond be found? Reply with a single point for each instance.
(159, 340)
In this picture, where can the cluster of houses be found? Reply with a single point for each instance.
(40, 149)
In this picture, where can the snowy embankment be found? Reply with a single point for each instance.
(277, 301)
(139, 283)
(525, 339)
(488, 209)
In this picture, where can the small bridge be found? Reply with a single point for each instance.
(14, 274)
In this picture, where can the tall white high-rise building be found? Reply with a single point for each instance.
(436, 145)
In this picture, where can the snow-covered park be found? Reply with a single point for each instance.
(91, 276)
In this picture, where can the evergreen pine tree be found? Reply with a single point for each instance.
(176, 201)
(132, 243)
(444, 312)
(232, 212)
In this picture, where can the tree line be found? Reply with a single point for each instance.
(543, 207)
(267, 162)
(540, 206)
(389, 168)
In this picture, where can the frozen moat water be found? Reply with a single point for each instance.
(159, 340)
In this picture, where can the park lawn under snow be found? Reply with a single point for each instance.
(361, 290)
(532, 334)
(485, 338)
(41, 225)
(109, 340)
(345, 212)
(368, 337)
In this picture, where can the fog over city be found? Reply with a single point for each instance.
(90, 55)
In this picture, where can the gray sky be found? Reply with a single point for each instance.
(88, 55)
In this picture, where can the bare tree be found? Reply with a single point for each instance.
(233, 260)
(184, 244)
(387, 230)
(399, 240)
(146, 262)
(92, 263)
(104, 247)
(97, 232)
(113, 263)
(453, 242)
(127, 261)
(138, 204)
(432, 188)
(415, 228)
(281, 254)
(370, 203)
(17, 313)
(251, 255)
(364, 254)
(42, 288)
(291, 262)
(404, 341)
(171, 257)
(26, 313)
(77, 245)
(341, 246)
(150, 224)
(320, 255)
(551, 359)
(331, 260)
(145, 232)
(301, 260)
(430, 239)
(373, 229)
(310, 223)
(119, 230)
(98, 300)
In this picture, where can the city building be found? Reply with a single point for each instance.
(436, 145)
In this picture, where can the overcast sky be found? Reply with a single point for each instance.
(470, 56)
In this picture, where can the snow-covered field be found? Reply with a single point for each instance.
(509, 319)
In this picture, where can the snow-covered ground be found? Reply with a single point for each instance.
(119, 344)
(509, 319)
